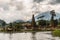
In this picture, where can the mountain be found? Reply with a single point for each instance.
(47, 16)
(2, 23)
(19, 21)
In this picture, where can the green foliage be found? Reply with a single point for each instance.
(18, 26)
(42, 22)
(56, 33)
(55, 22)
(52, 17)
(2, 23)
(10, 24)
(53, 13)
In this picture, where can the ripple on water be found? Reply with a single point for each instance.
(28, 36)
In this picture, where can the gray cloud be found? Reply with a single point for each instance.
(20, 6)
(38, 1)
(15, 10)
(53, 2)
(57, 1)
(23, 9)
(4, 6)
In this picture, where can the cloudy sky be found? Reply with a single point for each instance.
(11, 10)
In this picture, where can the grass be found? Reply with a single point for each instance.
(20, 31)
(56, 33)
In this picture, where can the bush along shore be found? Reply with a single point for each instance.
(56, 33)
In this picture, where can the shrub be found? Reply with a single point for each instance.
(56, 33)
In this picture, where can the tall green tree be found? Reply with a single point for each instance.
(52, 17)
(55, 23)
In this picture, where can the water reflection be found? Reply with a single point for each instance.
(33, 35)
(28, 36)
(10, 36)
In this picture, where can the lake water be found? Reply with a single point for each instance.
(28, 36)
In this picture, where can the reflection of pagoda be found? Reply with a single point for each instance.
(33, 23)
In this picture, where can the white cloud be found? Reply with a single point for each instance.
(11, 10)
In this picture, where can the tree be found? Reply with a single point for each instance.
(10, 25)
(52, 17)
(42, 22)
(2, 23)
(55, 23)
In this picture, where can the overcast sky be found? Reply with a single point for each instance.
(11, 10)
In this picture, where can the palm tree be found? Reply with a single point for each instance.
(52, 17)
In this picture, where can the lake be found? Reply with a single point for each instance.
(28, 36)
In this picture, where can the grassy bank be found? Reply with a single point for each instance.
(56, 33)
(19, 31)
